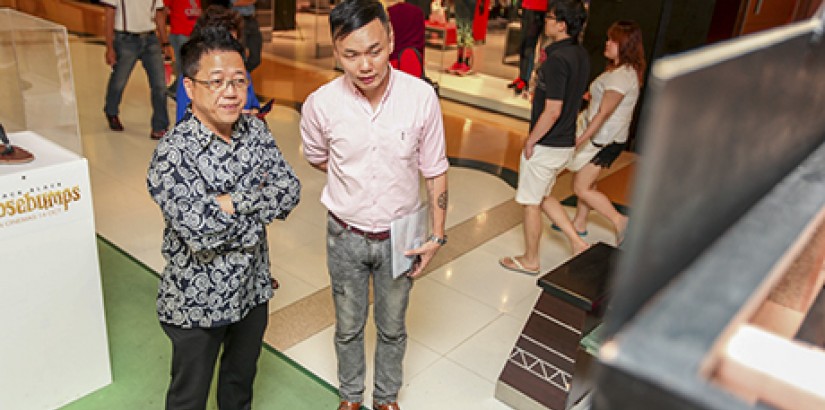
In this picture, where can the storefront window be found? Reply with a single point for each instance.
(300, 31)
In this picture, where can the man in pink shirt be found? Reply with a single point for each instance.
(375, 131)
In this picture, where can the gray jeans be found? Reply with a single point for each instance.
(352, 259)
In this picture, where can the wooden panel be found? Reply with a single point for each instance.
(76, 16)
(764, 14)
(552, 397)
(565, 312)
(553, 334)
(542, 363)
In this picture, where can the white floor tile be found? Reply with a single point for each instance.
(307, 262)
(292, 289)
(473, 274)
(441, 318)
(493, 343)
(447, 385)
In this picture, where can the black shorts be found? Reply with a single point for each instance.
(605, 157)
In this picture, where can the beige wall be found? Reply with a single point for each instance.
(76, 16)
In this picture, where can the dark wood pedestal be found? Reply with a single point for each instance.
(546, 359)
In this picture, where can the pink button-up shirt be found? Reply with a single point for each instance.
(374, 157)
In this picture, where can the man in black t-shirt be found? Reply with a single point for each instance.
(550, 144)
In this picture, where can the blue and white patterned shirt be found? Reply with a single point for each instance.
(217, 264)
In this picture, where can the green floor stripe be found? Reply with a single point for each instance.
(141, 353)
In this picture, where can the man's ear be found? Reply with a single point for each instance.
(391, 39)
(188, 86)
(335, 55)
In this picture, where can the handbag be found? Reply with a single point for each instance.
(581, 123)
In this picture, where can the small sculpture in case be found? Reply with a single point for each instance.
(10, 154)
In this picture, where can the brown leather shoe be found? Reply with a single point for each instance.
(388, 406)
(114, 122)
(349, 405)
(157, 134)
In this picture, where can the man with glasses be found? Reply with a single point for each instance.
(562, 81)
(231, 21)
(219, 179)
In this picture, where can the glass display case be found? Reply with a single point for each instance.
(47, 232)
(36, 86)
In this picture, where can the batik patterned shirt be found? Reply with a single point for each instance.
(217, 264)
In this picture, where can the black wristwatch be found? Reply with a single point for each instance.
(439, 241)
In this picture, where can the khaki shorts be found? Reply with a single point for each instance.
(583, 156)
(537, 175)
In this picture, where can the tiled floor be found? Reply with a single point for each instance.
(463, 317)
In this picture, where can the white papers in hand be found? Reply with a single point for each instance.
(406, 233)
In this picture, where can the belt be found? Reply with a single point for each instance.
(141, 34)
(374, 236)
(596, 144)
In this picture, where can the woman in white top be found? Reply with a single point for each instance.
(613, 96)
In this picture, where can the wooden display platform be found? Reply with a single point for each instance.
(547, 357)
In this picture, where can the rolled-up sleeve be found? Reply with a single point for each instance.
(432, 160)
(315, 144)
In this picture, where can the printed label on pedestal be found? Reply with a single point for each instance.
(44, 197)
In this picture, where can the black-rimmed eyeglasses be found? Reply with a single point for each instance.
(217, 84)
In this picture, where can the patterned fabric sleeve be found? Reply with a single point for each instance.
(275, 191)
(192, 212)
(281, 189)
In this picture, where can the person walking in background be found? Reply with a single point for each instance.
(532, 25)
(549, 146)
(219, 180)
(464, 14)
(136, 30)
(613, 96)
(375, 131)
(231, 21)
(407, 23)
(182, 17)
(252, 38)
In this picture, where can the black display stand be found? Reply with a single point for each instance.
(547, 368)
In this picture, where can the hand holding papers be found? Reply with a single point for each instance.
(406, 233)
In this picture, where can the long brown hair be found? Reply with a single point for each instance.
(628, 35)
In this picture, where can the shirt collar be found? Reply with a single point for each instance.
(558, 44)
(355, 91)
(203, 136)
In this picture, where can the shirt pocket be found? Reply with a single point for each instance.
(406, 141)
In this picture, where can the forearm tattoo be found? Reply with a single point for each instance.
(442, 200)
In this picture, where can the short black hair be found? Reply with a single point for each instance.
(350, 15)
(572, 13)
(215, 15)
(211, 38)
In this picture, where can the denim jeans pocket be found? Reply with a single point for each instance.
(334, 229)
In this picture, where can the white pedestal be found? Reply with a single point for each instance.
(53, 348)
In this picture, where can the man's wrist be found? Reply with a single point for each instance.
(440, 240)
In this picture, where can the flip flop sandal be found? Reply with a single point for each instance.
(518, 267)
